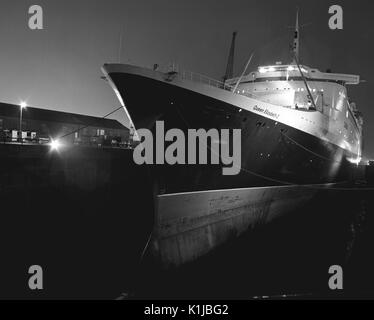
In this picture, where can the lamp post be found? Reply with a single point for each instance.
(22, 105)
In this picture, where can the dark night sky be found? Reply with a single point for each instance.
(59, 67)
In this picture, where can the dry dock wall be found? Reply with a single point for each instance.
(189, 225)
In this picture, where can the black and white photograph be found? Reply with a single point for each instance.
(170, 151)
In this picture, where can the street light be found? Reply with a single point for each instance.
(22, 105)
(55, 145)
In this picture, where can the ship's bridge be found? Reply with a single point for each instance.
(286, 85)
(292, 72)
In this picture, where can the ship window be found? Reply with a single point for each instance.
(1, 123)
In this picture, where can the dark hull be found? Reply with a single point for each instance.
(272, 153)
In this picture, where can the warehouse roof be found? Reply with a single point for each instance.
(31, 113)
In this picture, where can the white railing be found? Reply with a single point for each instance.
(197, 77)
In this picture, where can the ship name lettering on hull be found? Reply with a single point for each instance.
(266, 111)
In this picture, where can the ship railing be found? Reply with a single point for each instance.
(196, 77)
(199, 78)
(251, 95)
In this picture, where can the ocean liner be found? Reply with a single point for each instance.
(300, 132)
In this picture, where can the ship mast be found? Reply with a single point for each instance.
(296, 41)
(296, 51)
(230, 63)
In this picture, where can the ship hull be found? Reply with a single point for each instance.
(198, 208)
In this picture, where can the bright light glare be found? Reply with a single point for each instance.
(23, 104)
(354, 161)
(55, 145)
(290, 68)
(271, 69)
(262, 70)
